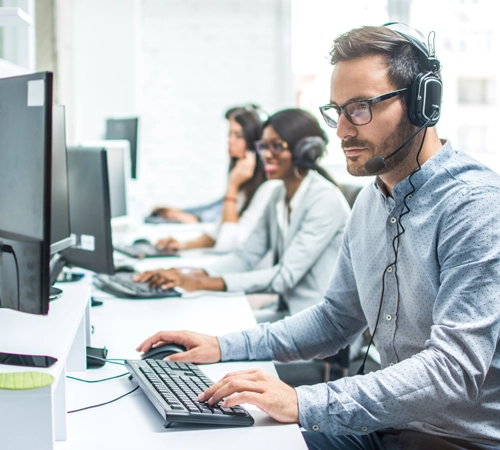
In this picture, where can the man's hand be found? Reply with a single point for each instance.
(170, 278)
(201, 348)
(258, 388)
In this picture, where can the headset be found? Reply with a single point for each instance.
(307, 151)
(425, 91)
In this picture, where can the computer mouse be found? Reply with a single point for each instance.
(163, 351)
(124, 268)
(142, 241)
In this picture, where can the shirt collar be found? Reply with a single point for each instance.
(420, 177)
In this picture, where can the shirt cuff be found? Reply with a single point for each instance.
(233, 346)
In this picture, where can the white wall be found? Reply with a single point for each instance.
(178, 64)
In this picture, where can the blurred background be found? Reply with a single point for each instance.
(179, 64)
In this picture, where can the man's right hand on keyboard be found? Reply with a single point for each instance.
(201, 348)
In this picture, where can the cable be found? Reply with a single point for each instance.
(97, 381)
(395, 247)
(111, 361)
(105, 403)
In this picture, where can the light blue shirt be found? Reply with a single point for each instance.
(439, 324)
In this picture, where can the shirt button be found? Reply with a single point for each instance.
(393, 220)
(364, 429)
(388, 317)
(409, 197)
(315, 427)
(389, 269)
(391, 364)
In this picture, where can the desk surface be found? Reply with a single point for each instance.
(132, 422)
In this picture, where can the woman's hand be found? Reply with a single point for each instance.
(170, 244)
(201, 348)
(243, 170)
(175, 215)
(167, 279)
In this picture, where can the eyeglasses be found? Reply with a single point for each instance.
(275, 147)
(358, 112)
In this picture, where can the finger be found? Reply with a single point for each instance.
(157, 280)
(226, 387)
(142, 277)
(233, 386)
(168, 285)
(162, 337)
(254, 398)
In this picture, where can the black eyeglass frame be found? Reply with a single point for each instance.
(271, 147)
(342, 109)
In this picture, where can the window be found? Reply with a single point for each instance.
(476, 91)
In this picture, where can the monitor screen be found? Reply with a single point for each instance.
(25, 191)
(60, 232)
(90, 211)
(117, 183)
(118, 172)
(125, 129)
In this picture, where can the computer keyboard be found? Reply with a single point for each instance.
(173, 389)
(144, 251)
(122, 285)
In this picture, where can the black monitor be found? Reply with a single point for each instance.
(126, 129)
(90, 210)
(60, 237)
(25, 191)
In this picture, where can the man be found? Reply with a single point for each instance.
(419, 266)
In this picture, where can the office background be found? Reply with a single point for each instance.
(178, 64)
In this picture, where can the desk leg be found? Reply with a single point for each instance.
(88, 331)
(27, 419)
(77, 357)
(59, 407)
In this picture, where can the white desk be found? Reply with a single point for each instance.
(32, 419)
(133, 422)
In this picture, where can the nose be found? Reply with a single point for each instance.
(345, 129)
(267, 154)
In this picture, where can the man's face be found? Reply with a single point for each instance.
(361, 79)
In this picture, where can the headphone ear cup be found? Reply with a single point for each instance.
(424, 98)
(308, 150)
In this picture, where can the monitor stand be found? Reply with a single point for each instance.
(56, 265)
(55, 293)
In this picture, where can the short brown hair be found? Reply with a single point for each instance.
(400, 54)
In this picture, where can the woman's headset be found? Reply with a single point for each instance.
(307, 151)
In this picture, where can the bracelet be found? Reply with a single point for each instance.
(230, 198)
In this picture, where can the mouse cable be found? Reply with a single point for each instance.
(97, 381)
(105, 403)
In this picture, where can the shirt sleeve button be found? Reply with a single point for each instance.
(364, 429)
(315, 427)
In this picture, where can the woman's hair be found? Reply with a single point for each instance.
(295, 124)
(251, 126)
(401, 56)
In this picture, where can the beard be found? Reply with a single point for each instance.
(404, 129)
